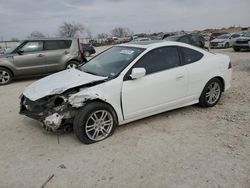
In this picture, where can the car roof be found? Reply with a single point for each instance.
(155, 44)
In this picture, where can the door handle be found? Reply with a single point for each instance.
(40, 55)
(66, 52)
(179, 77)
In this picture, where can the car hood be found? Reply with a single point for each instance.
(58, 83)
(219, 40)
(243, 38)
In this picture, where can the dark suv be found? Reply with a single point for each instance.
(38, 57)
(193, 39)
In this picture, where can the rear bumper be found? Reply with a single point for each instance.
(228, 79)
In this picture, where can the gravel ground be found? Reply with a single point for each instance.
(188, 147)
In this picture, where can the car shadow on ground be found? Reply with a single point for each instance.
(36, 126)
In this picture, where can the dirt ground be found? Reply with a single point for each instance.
(189, 147)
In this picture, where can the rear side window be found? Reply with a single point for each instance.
(55, 45)
(68, 43)
(159, 59)
(190, 55)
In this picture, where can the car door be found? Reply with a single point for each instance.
(29, 58)
(163, 86)
(197, 72)
(56, 52)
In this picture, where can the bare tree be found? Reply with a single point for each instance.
(89, 34)
(70, 29)
(36, 34)
(121, 32)
(102, 36)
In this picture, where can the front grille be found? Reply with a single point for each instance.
(214, 43)
(31, 106)
(242, 41)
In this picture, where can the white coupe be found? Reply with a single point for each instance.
(125, 83)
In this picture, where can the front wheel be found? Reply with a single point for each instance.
(211, 93)
(227, 45)
(94, 122)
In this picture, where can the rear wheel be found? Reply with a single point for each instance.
(5, 76)
(96, 121)
(211, 93)
(72, 64)
(227, 45)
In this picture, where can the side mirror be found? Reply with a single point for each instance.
(137, 73)
(20, 52)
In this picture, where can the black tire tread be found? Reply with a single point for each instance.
(202, 100)
(82, 115)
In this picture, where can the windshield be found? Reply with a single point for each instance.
(112, 61)
(246, 34)
(11, 49)
(223, 37)
(172, 38)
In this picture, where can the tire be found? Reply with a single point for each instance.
(72, 64)
(227, 45)
(86, 54)
(5, 76)
(211, 93)
(87, 130)
(236, 49)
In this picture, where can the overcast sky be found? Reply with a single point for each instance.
(18, 18)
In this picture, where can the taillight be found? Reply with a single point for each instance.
(230, 65)
(80, 46)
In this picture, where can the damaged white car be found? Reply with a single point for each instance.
(125, 83)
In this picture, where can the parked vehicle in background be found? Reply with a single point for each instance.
(224, 41)
(125, 83)
(142, 39)
(2, 50)
(193, 39)
(242, 42)
(88, 49)
(215, 35)
(39, 57)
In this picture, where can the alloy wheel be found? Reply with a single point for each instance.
(71, 66)
(99, 125)
(213, 93)
(4, 77)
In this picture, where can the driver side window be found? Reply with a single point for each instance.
(32, 46)
(159, 59)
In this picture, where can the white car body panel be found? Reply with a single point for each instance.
(146, 96)
(58, 83)
(171, 86)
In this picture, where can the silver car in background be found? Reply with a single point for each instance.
(39, 57)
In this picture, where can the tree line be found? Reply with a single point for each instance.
(72, 29)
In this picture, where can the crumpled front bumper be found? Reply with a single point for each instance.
(52, 118)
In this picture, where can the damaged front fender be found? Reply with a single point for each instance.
(78, 100)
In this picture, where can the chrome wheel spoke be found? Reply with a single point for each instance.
(4, 77)
(99, 125)
(213, 93)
